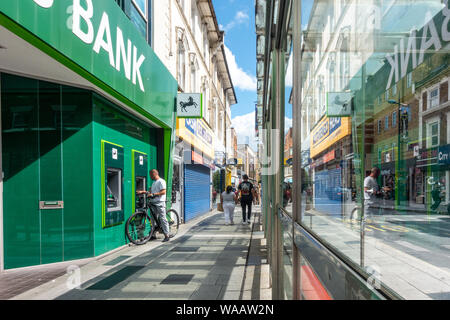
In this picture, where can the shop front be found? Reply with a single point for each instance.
(328, 150)
(196, 145)
(83, 122)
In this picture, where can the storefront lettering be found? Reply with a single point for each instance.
(126, 56)
(443, 156)
(44, 3)
(429, 39)
(321, 133)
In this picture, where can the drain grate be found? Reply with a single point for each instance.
(178, 279)
(115, 278)
(116, 260)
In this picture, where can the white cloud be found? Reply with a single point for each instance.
(240, 18)
(289, 73)
(241, 79)
(287, 124)
(245, 127)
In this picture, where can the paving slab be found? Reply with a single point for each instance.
(207, 260)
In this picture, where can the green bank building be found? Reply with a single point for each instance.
(87, 109)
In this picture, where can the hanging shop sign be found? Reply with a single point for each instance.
(220, 158)
(339, 104)
(97, 37)
(444, 155)
(190, 105)
(197, 133)
(327, 132)
(232, 162)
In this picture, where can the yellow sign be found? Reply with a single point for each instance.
(197, 133)
(327, 132)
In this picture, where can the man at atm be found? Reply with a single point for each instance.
(157, 196)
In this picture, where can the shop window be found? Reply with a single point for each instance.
(114, 187)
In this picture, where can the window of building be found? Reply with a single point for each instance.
(193, 18)
(394, 119)
(433, 97)
(386, 95)
(433, 134)
(193, 75)
(138, 12)
(409, 80)
(181, 72)
(394, 90)
(379, 126)
(386, 122)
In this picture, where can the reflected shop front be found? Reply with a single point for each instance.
(366, 84)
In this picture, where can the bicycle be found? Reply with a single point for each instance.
(140, 226)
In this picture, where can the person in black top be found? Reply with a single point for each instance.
(247, 194)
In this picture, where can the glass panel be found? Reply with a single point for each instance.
(20, 154)
(378, 193)
(138, 21)
(77, 150)
(142, 5)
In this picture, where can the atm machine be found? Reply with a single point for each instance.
(139, 175)
(112, 184)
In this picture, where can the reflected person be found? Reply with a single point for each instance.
(372, 193)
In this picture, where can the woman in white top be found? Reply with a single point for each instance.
(228, 200)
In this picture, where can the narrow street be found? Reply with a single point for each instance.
(207, 260)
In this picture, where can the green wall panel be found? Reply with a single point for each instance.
(47, 156)
(77, 173)
(50, 171)
(112, 125)
(20, 156)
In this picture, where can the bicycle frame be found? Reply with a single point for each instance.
(150, 207)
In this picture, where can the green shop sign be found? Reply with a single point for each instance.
(98, 37)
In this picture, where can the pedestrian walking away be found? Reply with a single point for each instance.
(247, 195)
(228, 200)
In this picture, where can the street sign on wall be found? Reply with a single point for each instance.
(339, 104)
(190, 105)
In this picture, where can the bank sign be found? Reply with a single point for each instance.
(99, 38)
(411, 52)
(327, 132)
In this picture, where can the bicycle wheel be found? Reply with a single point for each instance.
(174, 221)
(355, 214)
(139, 228)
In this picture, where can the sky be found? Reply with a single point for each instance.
(237, 19)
